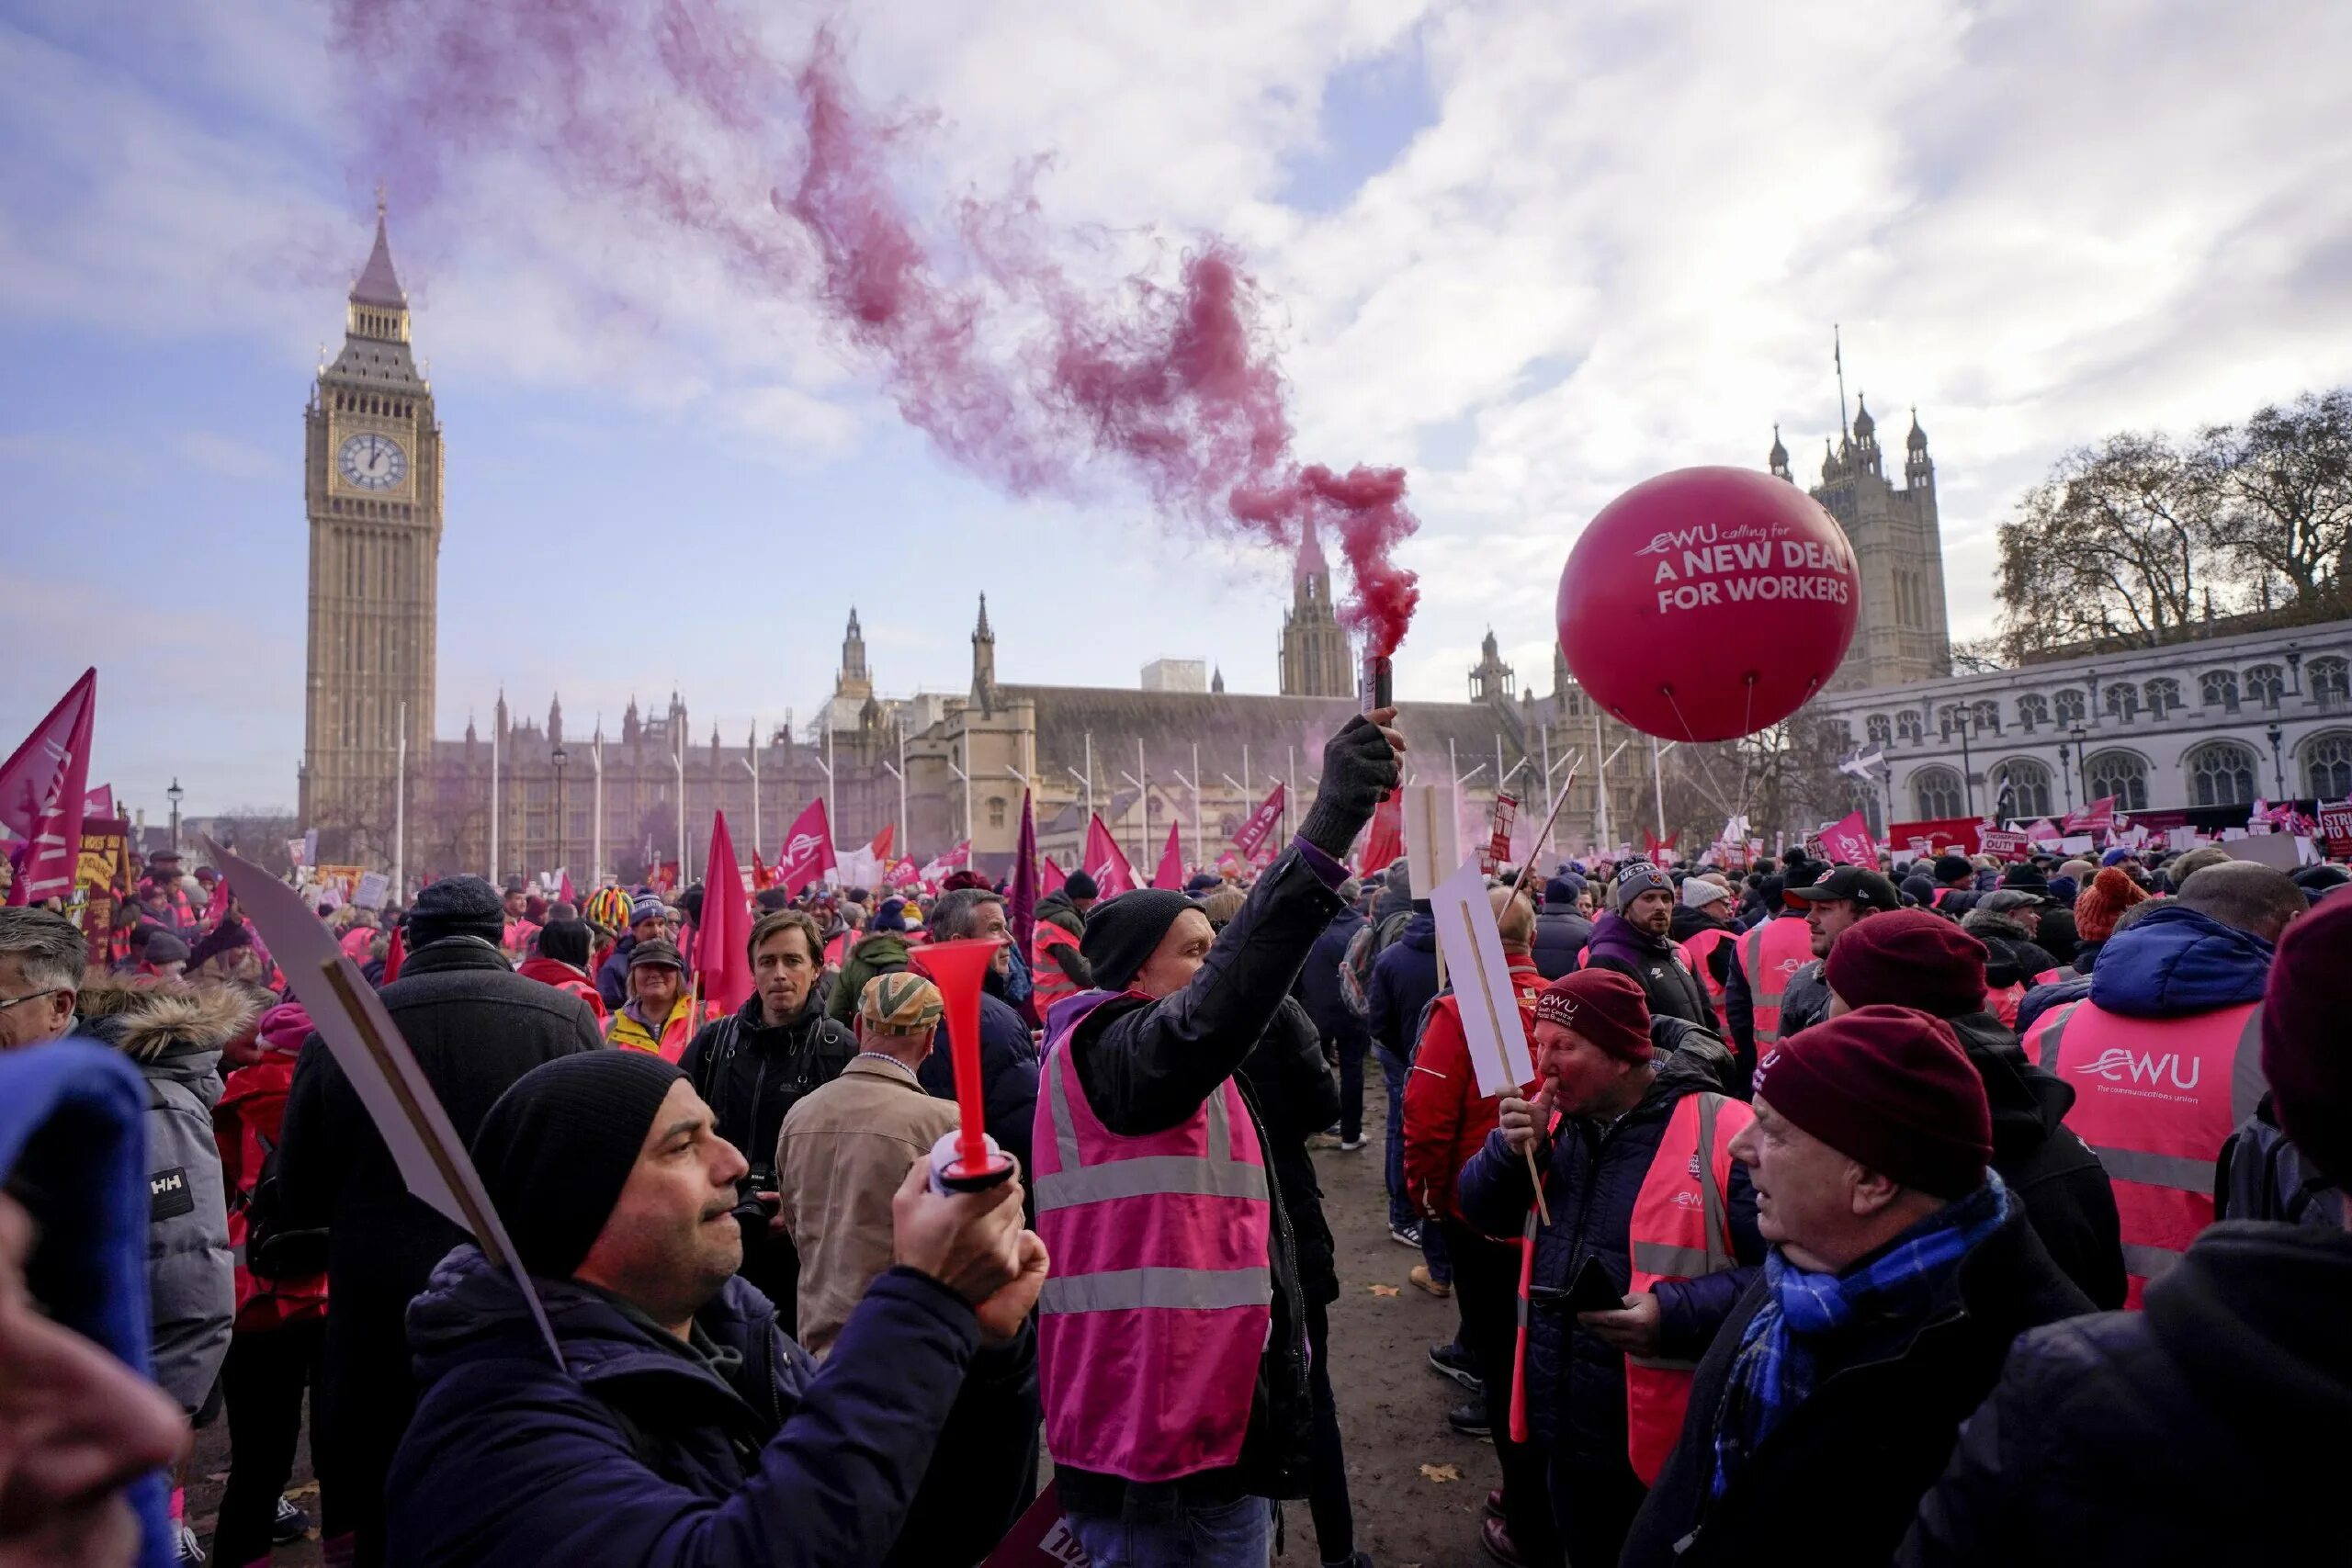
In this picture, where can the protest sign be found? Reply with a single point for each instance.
(2334, 826)
(2002, 845)
(1473, 945)
(1432, 836)
(373, 886)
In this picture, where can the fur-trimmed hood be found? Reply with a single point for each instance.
(147, 1022)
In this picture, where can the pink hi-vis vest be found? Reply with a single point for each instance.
(2155, 1099)
(1161, 1297)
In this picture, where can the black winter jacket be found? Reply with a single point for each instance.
(1342, 1028)
(1838, 1480)
(1576, 1382)
(642, 1450)
(1560, 935)
(2213, 1426)
(1297, 1097)
(1145, 1067)
(2052, 1171)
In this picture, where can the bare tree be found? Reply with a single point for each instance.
(2110, 548)
(2282, 487)
(1979, 656)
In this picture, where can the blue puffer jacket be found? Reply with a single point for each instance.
(1575, 1383)
(645, 1453)
(2175, 960)
(1404, 983)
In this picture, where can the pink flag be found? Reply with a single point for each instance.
(1386, 842)
(904, 873)
(956, 858)
(722, 964)
(1252, 833)
(807, 851)
(42, 787)
(563, 890)
(1848, 842)
(100, 802)
(2099, 814)
(1171, 875)
(1050, 877)
(881, 848)
(1105, 862)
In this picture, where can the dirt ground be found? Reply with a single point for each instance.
(1391, 1407)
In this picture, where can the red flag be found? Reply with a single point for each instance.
(904, 873)
(2099, 814)
(1105, 862)
(1021, 910)
(722, 964)
(1252, 833)
(395, 953)
(1657, 846)
(100, 802)
(956, 859)
(807, 851)
(881, 848)
(1387, 840)
(1848, 842)
(1050, 877)
(665, 877)
(761, 880)
(1171, 875)
(43, 787)
(563, 890)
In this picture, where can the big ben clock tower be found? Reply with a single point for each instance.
(372, 484)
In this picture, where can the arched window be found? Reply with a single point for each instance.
(2266, 683)
(2163, 695)
(2124, 702)
(2020, 788)
(2330, 678)
(996, 811)
(2123, 775)
(1950, 720)
(1865, 798)
(1938, 792)
(2070, 707)
(1988, 717)
(2327, 766)
(2220, 775)
(1881, 730)
(2034, 710)
(2219, 688)
(1907, 725)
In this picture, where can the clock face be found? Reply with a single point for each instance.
(372, 462)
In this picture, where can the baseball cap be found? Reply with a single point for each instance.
(1864, 886)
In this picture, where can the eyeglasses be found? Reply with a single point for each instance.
(7, 1002)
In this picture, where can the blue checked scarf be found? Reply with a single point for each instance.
(1779, 1353)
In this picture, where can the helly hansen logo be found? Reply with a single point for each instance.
(2119, 1065)
(168, 1194)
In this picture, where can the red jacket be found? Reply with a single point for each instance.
(251, 1108)
(1446, 1119)
(564, 977)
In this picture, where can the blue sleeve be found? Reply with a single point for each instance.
(511, 1462)
(1494, 1190)
(1739, 1005)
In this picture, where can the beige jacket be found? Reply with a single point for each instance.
(844, 1149)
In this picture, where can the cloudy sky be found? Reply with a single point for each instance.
(1532, 252)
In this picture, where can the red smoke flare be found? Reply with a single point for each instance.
(673, 108)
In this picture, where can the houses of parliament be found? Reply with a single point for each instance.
(1177, 749)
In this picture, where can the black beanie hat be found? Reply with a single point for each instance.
(566, 941)
(456, 905)
(557, 1148)
(1121, 933)
(1079, 884)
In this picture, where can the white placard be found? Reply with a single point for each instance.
(1432, 836)
(1472, 944)
(2076, 844)
(373, 885)
(2277, 850)
(384, 1073)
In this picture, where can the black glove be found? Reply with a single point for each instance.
(1360, 771)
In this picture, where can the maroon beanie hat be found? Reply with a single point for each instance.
(1889, 1087)
(1908, 958)
(1607, 1008)
(2304, 1051)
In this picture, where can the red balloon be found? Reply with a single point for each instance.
(1708, 602)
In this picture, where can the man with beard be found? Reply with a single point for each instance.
(1633, 938)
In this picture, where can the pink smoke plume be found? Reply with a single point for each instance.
(678, 110)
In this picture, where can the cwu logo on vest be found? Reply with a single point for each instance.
(2119, 1065)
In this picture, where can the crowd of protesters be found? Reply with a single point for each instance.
(1954, 1212)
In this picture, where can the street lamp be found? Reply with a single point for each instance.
(1955, 725)
(2082, 759)
(2066, 773)
(2277, 766)
(560, 757)
(172, 795)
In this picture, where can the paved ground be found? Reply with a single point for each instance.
(1392, 1407)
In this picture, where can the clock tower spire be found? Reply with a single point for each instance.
(372, 487)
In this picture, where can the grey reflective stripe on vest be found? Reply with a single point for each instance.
(2247, 1086)
(1128, 1289)
(2052, 1031)
(2177, 1171)
(1680, 1262)
(1718, 1255)
(2149, 1263)
(1215, 1175)
(1760, 998)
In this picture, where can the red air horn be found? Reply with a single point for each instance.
(967, 1160)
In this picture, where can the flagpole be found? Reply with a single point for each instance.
(1142, 805)
(1601, 782)
(1290, 796)
(685, 867)
(494, 804)
(400, 812)
(1200, 847)
(1657, 788)
(596, 836)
